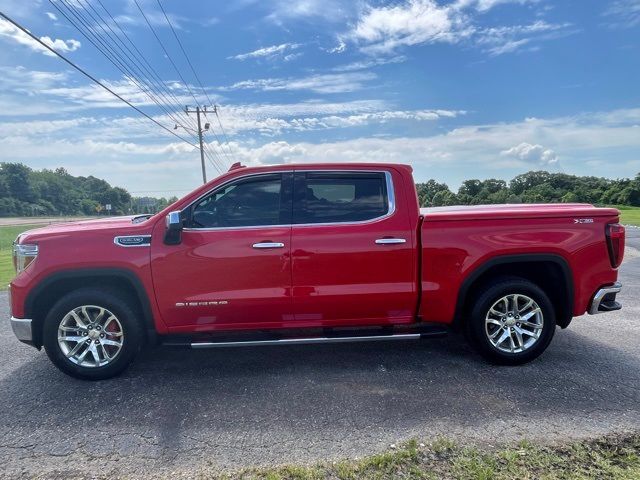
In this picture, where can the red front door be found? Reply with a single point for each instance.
(232, 269)
(352, 253)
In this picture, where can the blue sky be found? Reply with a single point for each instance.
(458, 88)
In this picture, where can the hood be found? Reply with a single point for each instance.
(124, 224)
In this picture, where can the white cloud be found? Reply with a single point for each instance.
(321, 83)
(601, 143)
(486, 5)
(585, 143)
(268, 120)
(332, 11)
(535, 154)
(51, 15)
(238, 120)
(271, 52)
(623, 13)
(370, 63)
(56, 92)
(70, 45)
(500, 40)
(381, 30)
(9, 31)
(341, 47)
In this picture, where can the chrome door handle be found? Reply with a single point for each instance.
(390, 241)
(268, 245)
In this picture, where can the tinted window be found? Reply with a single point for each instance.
(340, 197)
(250, 202)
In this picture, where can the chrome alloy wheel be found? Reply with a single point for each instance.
(514, 323)
(90, 336)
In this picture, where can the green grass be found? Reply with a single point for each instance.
(7, 236)
(629, 215)
(610, 458)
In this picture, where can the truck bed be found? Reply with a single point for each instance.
(460, 242)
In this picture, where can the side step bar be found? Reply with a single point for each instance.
(307, 341)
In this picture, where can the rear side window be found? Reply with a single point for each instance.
(335, 197)
(248, 202)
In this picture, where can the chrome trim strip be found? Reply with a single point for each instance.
(146, 244)
(268, 245)
(222, 229)
(390, 241)
(391, 201)
(594, 309)
(22, 328)
(307, 341)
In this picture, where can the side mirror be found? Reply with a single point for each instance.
(175, 224)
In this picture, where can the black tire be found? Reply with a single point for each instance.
(477, 330)
(132, 331)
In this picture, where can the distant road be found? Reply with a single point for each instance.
(8, 221)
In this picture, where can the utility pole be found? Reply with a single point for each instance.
(198, 111)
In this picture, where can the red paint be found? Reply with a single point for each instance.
(326, 275)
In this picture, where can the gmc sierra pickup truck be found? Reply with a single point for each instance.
(313, 253)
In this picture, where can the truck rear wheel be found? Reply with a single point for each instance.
(92, 335)
(511, 322)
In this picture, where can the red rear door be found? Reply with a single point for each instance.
(352, 253)
(232, 269)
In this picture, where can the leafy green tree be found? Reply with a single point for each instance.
(428, 190)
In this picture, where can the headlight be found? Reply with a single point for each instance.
(23, 256)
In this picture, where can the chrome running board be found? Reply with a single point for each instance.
(307, 341)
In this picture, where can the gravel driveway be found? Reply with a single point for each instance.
(181, 410)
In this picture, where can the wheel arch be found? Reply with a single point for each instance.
(550, 267)
(50, 289)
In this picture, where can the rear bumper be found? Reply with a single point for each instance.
(605, 299)
(22, 329)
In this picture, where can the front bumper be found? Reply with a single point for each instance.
(605, 299)
(22, 329)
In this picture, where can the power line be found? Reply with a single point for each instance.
(214, 157)
(195, 74)
(141, 58)
(138, 71)
(129, 69)
(165, 51)
(184, 52)
(106, 50)
(215, 110)
(91, 77)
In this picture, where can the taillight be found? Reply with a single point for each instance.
(615, 243)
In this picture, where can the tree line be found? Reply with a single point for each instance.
(28, 192)
(533, 187)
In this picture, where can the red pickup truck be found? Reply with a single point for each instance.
(311, 253)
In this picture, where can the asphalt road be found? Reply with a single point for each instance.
(181, 411)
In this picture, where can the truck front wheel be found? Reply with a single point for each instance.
(511, 322)
(91, 334)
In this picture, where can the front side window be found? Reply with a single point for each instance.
(335, 197)
(253, 201)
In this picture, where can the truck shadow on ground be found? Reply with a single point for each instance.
(182, 398)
